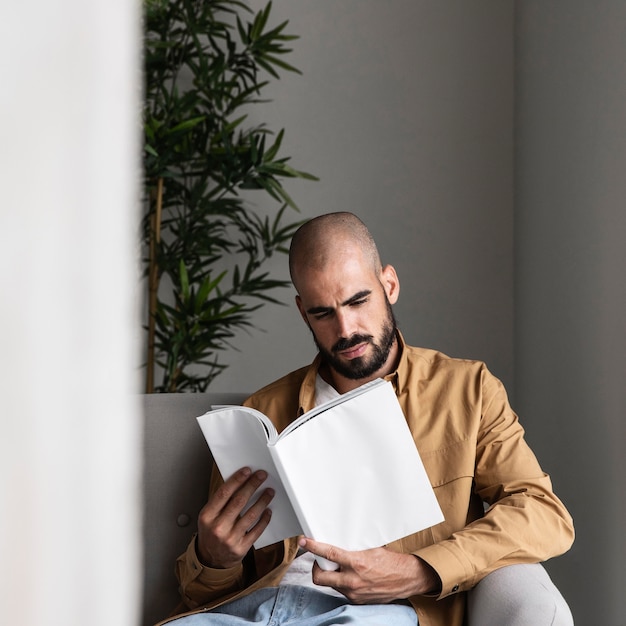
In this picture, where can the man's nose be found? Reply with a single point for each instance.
(346, 324)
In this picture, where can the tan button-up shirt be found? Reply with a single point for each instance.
(498, 504)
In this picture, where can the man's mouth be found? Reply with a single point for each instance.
(354, 352)
(352, 348)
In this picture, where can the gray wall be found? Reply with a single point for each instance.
(405, 112)
(570, 226)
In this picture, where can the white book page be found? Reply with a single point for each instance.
(330, 404)
(355, 475)
(237, 437)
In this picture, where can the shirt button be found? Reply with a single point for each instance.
(455, 588)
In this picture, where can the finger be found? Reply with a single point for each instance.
(256, 530)
(233, 495)
(326, 551)
(225, 491)
(241, 499)
(255, 514)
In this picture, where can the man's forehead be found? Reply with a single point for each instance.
(321, 287)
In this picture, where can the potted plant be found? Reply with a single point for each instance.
(205, 67)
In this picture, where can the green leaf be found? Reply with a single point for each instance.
(269, 60)
(184, 279)
(275, 147)
(259, 22)
(206, 288)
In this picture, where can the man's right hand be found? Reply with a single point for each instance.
(225, 533)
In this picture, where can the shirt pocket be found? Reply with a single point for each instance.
(450, 469)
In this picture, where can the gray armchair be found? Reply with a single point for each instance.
(177, 464)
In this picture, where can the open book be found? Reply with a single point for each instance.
(346, 473)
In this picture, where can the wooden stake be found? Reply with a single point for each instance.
(153, 283)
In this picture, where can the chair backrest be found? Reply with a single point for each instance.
(177, 465)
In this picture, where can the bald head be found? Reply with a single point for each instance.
(321, 239)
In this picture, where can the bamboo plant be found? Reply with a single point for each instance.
(206, 63)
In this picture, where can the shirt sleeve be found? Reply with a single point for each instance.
(524, 521)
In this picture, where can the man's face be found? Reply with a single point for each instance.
(347, 306)
(361, 366)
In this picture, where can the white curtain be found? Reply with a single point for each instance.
(70, 439)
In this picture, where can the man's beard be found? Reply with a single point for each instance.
(361, 367)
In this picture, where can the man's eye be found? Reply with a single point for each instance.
(359, 302)
(322, 315)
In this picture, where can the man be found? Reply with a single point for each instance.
(470, 441)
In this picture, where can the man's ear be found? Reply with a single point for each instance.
(301, 309)
(391, 283)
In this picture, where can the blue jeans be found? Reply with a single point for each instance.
(516, 595)
(290, 604)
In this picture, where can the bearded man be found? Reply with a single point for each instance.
(482, 564)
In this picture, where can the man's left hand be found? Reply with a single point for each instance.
(376, 576)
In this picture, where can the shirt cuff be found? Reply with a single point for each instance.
(200, 584)
(212, 576)
(454, 570)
